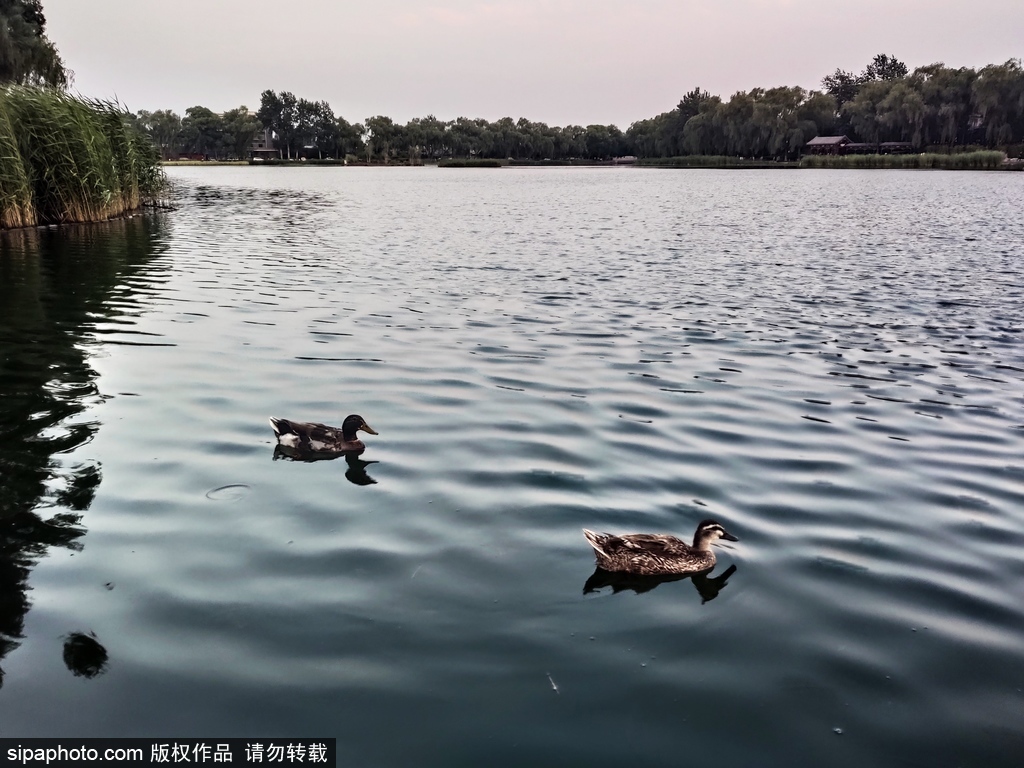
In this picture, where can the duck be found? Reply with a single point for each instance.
(651, 554)
(308, 437)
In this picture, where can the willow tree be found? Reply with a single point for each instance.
(27, 56)
(164, 128)
(999, 98)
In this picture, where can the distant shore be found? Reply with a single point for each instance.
(969, 161)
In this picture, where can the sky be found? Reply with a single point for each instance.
(555, 61)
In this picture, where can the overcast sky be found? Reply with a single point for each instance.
(555, 61)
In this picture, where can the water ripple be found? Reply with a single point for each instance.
(821, 361)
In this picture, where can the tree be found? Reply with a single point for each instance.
(702, 134)
(841, 86)
(350, 137)
(164, 128)
(318, 127)
(999, 98)
(278, 114)
(239, 127)
(434, 135)
(598, 142)
(202, 132)
(884, 67)
(27, 56)
(641, 137)
(380, 134)
(820, 109)
(691, 103)
(863, 111)
(844, 86)
(947, 94)
(572, 141)
(904, 112)
(466, 137)
(269, 113)
(305, 125)
(671, 126)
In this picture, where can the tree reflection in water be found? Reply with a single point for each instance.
(84, 655)
(56, 285)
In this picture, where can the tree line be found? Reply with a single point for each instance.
(303, 128)
(932, 105)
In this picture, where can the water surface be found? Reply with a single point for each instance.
(828, 362)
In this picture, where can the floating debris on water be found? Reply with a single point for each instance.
(553, 686)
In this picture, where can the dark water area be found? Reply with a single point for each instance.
(830, 363)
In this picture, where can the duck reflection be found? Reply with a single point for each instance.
(84, 655)
(355, 474)
(706, 586)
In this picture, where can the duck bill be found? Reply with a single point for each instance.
(729, 537)
(367, 428)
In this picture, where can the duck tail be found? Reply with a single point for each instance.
(597, 541)
(280, 426)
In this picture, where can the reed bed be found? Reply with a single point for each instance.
(713, 161)
(575, 161)
(293, 163)
(982, 160)
(66, 159)
(482, 163)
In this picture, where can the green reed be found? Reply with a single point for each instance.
(67, 159)
(981, 160)
(471, 163)
(713, 161)
(16, 208)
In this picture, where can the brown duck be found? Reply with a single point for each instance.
(309, 437)
(647, 554)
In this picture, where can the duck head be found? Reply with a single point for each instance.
(708, 532)
(353, 424)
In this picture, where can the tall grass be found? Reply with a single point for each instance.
(470, 163)
(972, 161)
(554, 163)
(66, 159)
(712, 161)
(16, 209)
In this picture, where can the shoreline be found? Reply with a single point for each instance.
(817, 164)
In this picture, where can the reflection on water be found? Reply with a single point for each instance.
(830, 362)
(84, 655)
(706, 586)
(355, 473)
(56, 288)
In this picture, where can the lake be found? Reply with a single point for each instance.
(829, 363)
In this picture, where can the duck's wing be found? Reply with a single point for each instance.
(306, 435)
(659, 545)
(656, 544)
